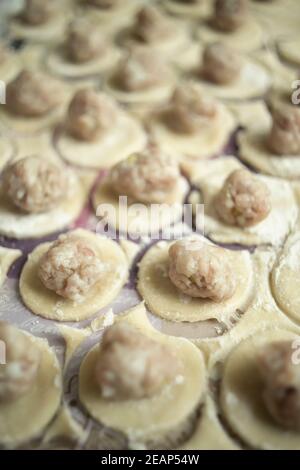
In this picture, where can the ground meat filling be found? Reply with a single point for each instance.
(84, 42)
(230, 15)
(22, 359)
(90, 114)
(32, 94)
(284, 137)
(244, 200)
(201, 270)
(140, 71)
(148, 177)
(35, 185)
(70, 268)
(151, 25)
(191, 111)
(38, 12)
(221, 64)
(280, 375)
(132, 366)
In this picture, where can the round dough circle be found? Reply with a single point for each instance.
(165, 300)
(252, 82)
(125, 137)
(20, 225)
(48, 304)
(53, 30)
(285, 279)
(247, 38)
(10, 67)
(157, 94)
(241, 396)
(202, 145)
(6, 151)
(57, 63)
(149, 418)
(255, 152)
(24, 419)
(135, 218)
(29, 125)
(201, 10)
(289, 50)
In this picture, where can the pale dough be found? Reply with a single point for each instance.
(126, 136)
(57, 63)
(241, 396)
(38, 145)
(209, 433)
(64, 427)
(165, 300)
(116, 16)
(73, 338)
(6, 151)
(202, 145)
(149, 419)
(10, 67)
(254, 151)
(285, 278)
(7, 258)
(52, 31)
(252, 115)
(202, 9)
(289, 49)
(20, 225)
(210, 176)
(247, 38)
(136, 218)
(252, 82)
(154, 95)
(48, 304)
(25, 418)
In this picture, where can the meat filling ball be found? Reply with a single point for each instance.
(90, 114)
(35, 185)
(284, 138)
(132, 366)
(280, 376)
(151, 25)
(22, 359)
(244, 200)
(70, 267)
(148, 177)
(84, 41)
(221, 64)
(38, 12)
(32, 94)
(230, 15)
(201, 270)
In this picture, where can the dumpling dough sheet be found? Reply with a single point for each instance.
(48, 304)
(210, 176)
(10, 67)
(254, 151)
(199, 146)
(135, 218)
(6, 150)
(202, 9)
(289, 50)
(150, 418)
(285, 277)
(7, 258)
(247, 38)
(24, 419)
(17, 224)
(241, 396)
(124, 138)
(166, 301)
(56, 62)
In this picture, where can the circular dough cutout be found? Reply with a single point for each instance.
(247, 38)
(10, 67)
(165, 300)
(125, 137)
(203, 145)
(202, 9)
(53, 30)
(57, 62)
(241, 396)
(48, 304)
(135, 218)
(25, 418)
(150, 418)
(20, 225)
(6, 151)
(285, 278)
(252, 82)
(254, 151)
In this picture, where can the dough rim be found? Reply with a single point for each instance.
(47, 304)
(32, 412)
(183, 308)
(253, 423)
